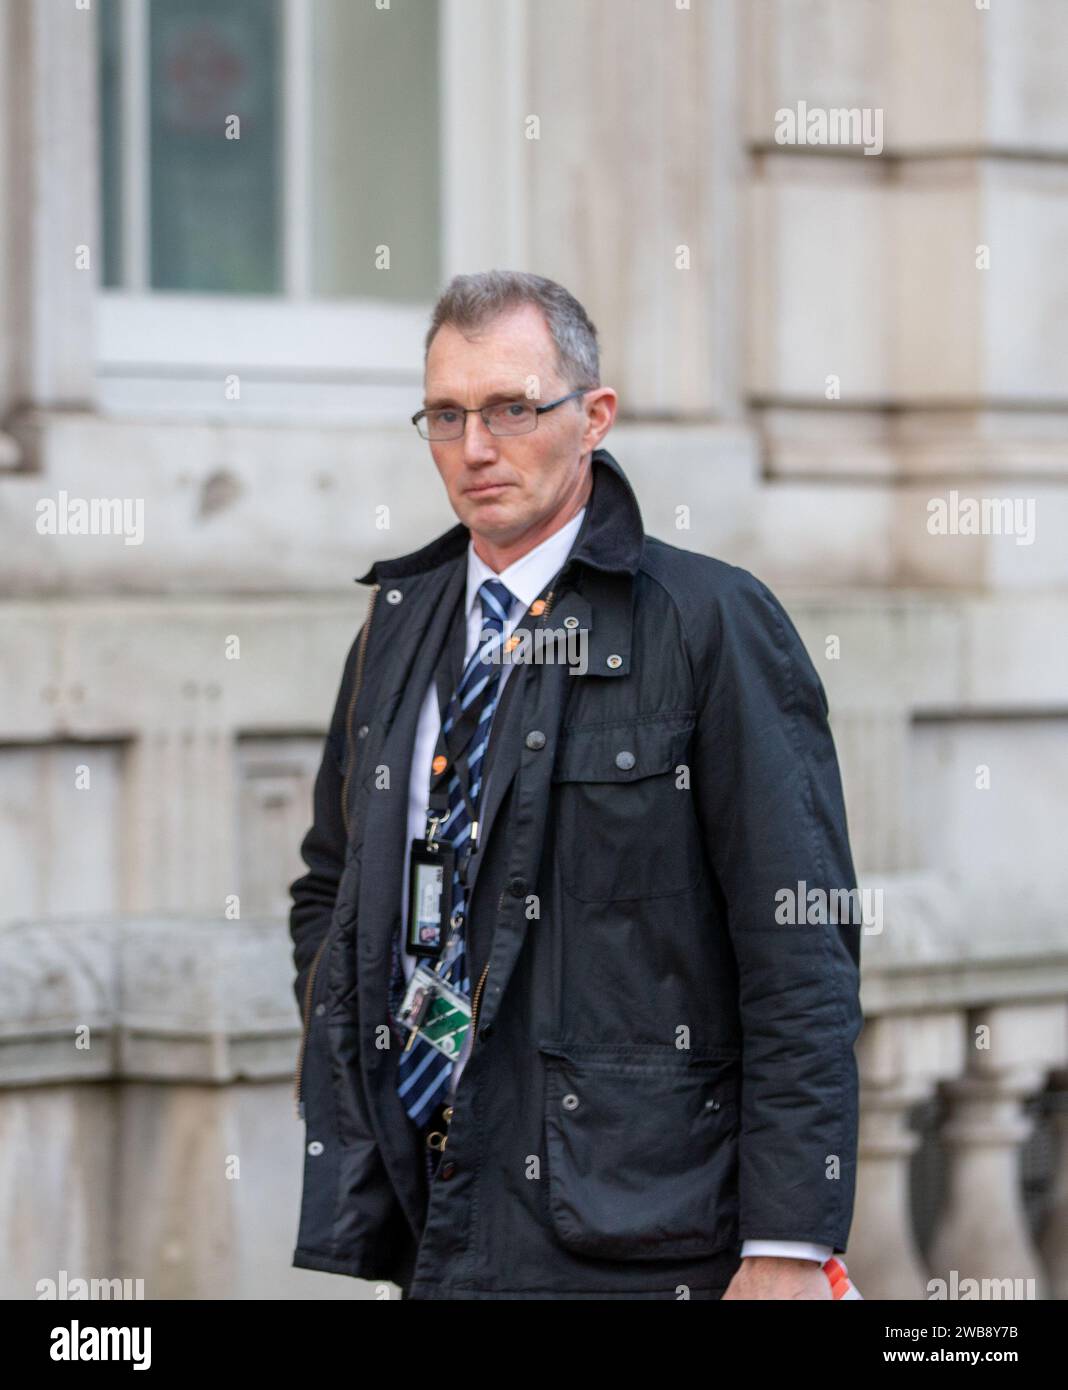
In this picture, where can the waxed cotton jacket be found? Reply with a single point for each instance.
(663, 1058)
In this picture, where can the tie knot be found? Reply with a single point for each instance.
(496, 599)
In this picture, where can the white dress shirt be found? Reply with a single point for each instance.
(526, 579)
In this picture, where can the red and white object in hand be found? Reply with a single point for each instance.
(841, 1284)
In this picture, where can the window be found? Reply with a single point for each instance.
(267, 146)
(271, 196)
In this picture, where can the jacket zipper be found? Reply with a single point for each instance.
(500, 901)
(478, 991)
(356, 683)
(298, 1074)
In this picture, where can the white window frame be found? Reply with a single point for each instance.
(336, 359)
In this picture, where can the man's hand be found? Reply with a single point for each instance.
(773, 1276)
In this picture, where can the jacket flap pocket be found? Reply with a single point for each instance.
(641, 1150)
(624, 751)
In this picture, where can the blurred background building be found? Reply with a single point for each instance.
(222, 228)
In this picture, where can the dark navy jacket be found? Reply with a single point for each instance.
(662, 1067)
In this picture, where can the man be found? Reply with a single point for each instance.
(559, 1039)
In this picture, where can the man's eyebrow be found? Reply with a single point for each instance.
(495, 398)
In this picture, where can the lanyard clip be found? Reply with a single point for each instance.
(432, 823)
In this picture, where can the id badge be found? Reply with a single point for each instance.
(429, 894)
(437, 1011)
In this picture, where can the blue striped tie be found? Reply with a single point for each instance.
(424, 1072)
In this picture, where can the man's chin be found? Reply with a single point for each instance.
(491, 516)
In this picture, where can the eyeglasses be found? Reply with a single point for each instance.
(508, 417)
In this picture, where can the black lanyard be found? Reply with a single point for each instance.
(450, 752)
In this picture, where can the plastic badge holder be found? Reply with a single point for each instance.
(438, 1012)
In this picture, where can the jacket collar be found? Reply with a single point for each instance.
(610, 538)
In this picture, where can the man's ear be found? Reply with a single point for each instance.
(600, 417)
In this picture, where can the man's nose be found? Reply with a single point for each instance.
(479, 443)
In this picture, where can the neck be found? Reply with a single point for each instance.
(499, 554)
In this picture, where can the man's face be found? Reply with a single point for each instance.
(504, 486)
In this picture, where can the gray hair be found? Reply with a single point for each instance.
(470, 302)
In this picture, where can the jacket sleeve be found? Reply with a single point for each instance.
(769, 797)
(323, 847)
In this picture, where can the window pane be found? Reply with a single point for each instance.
(215, 201)
(375, 156)
(110, 148)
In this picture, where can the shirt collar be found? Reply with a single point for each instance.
(526, 577)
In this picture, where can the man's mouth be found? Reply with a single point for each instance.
(480, 489)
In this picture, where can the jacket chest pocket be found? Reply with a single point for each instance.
(641, 1150)
(624, 823)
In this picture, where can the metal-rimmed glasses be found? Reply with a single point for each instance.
(502, 418)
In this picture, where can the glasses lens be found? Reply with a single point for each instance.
(513, 417)
(442, 424)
